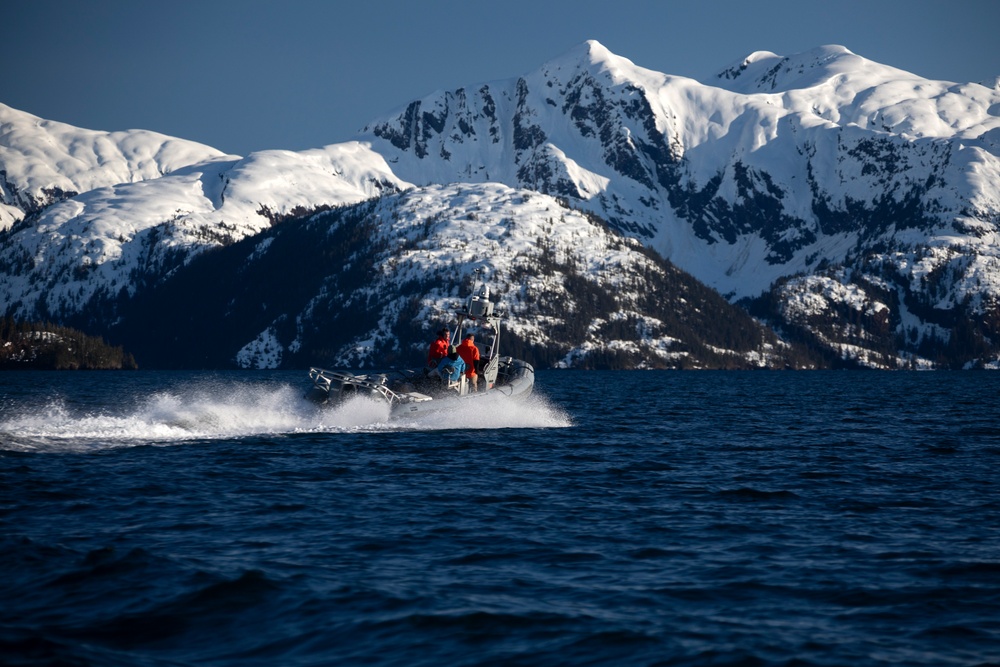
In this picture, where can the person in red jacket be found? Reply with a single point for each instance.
(470, 355)
(439, 348)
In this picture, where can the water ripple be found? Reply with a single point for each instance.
(724, 518)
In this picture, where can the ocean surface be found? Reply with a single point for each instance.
(618, 518)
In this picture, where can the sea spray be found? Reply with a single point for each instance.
(202, 411)
(493, 412)
(218, 410)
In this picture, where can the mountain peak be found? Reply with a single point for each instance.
(592, 55)
(589, 51)
(766, 72)
(597, 52)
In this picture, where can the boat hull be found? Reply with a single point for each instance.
(518, 385)
(412, 394)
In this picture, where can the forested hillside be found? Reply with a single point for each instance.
(45, 346)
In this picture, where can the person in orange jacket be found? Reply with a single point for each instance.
(470, 355)
(439, 348)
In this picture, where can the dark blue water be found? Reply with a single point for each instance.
(685, 518)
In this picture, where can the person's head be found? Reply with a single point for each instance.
(470, 337)
(443, 333)
(452, 352)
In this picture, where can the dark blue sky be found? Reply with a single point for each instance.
(244, 75)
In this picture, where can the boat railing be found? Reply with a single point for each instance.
(336, 381)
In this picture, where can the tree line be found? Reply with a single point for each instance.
(47, 346)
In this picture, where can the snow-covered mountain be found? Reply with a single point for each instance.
(779, 163)
(850, 204)
(368, 285)
(43, 162)
(121, 237)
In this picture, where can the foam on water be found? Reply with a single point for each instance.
(492, 412)
(163, 417)
(223, 411)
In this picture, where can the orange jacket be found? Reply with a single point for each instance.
(437, 351)
(470, 355)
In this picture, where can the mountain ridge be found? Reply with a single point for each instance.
(785, 177)
(43, 161)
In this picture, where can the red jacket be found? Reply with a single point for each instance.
(470, 355)
(438, 351)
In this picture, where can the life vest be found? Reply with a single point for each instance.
(470, 355)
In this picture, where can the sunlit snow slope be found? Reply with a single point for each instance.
(826, 187)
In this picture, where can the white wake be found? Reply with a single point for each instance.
(233, 411)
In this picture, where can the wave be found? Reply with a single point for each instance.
(237, 410)
(492, 413)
